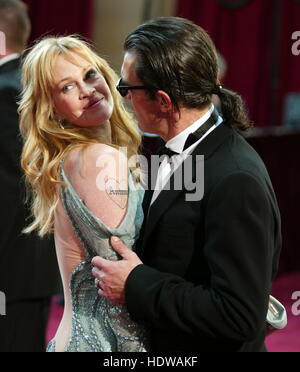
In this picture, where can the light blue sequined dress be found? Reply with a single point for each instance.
(98, 324)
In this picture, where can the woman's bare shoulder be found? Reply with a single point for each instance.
(84, 161)
(99, 175)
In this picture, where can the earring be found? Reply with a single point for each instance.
(60, 123)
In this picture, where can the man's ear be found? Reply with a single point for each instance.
(164, 101)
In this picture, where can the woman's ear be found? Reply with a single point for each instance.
(164, 101)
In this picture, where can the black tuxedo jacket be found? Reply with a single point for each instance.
(28, 265)
(209, 264)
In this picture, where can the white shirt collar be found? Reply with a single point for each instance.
(9, 58)
(177, 143)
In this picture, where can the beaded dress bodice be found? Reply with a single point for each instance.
(98, 324)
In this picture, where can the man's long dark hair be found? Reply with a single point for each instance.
(179, 57)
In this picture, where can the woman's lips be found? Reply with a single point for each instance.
(93, 103)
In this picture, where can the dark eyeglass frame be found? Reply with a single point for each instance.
(123, 89)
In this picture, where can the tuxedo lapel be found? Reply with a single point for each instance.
(146, 204)
(10, 66)
(169, 195)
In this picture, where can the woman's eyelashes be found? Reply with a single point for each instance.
(90, 75)
(66, 88)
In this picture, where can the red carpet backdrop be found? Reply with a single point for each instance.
(255, 37)
(53, 17)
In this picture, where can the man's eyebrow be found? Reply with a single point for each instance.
(123, 82)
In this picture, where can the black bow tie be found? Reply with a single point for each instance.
(193, 137)
(166, 151)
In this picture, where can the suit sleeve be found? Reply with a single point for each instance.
(11, 197)
(238, 225)
(11, 144)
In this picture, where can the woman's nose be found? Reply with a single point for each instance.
(86, 91)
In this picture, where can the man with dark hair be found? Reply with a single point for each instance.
(25, 281)
(202, 271)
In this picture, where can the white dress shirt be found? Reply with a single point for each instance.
(176, 144)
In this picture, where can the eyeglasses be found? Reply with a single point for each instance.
(123, 89)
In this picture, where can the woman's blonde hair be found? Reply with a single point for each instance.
(45, 141)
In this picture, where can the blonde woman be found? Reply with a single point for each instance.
(73, 124)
